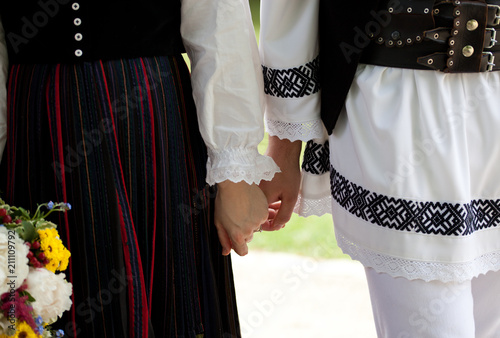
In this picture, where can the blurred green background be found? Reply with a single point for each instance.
(312, 236)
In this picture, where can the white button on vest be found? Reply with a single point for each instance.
(78, 37)
(78, 52)
(77, 22)
(75, 6)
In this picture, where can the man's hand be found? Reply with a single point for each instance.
(240, 210)
(282, 192)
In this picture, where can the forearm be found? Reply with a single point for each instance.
(285, 153)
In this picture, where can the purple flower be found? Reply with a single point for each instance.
(50, 205)
(21, 304)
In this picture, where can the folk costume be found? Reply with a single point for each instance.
(100, 113)
(398, 101)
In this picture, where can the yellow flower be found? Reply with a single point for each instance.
(54, 250)
(23, 330)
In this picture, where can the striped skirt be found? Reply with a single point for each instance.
(119, 140)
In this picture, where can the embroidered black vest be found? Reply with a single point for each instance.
(63, 31)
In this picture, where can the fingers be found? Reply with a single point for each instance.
(284, 214)
(267, 225)
(224, 240)
(239, 243)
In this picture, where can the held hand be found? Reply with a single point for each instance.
(240, 209)
(283, 190)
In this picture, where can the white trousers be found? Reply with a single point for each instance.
(405, 308)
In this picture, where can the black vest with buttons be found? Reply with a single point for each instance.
(62, 31)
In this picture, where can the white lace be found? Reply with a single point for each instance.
(399, 267)
(306, 207)
(239, 165)
(303, 131)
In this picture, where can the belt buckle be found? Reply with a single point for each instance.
(497, 14)
(491, 61)
(493, 39)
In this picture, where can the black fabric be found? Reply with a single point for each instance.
(342, 36)
(111, 29)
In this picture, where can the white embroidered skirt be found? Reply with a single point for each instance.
(415, 173)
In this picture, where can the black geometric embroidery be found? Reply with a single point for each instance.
(316, 158)
(294, 82)
(449, 219)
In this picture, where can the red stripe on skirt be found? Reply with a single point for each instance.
(145, 315)
(153, 143)
(60, 151)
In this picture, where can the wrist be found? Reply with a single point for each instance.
(284, 150)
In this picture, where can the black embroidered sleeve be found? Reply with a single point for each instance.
(316, 158)
(294, 82)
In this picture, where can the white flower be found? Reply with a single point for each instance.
(4, 325)
(51, 292)
(13, 260)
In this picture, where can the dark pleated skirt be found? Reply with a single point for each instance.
(119, 140)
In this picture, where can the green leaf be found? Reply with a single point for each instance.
(20, 212)
(26, 293)
(27, 231)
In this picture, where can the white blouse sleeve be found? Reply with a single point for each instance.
(289, 54)
(227, 88)
(4, 61)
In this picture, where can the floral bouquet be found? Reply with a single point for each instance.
(33, 294)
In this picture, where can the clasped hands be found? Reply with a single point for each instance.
(242, 208)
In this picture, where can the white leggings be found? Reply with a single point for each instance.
(405, 308)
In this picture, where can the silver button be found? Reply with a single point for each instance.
(77, 21)
(78, 52)
(75, 6)
(472, 25)
(78, 37)
(395, 35)
(467, 51)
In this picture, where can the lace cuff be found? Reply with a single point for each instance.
(306, 207)
(315, 198)
(294, 131)
(239, 164)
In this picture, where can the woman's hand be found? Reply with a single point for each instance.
(240, 210)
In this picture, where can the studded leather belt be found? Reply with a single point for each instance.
(450, 36)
